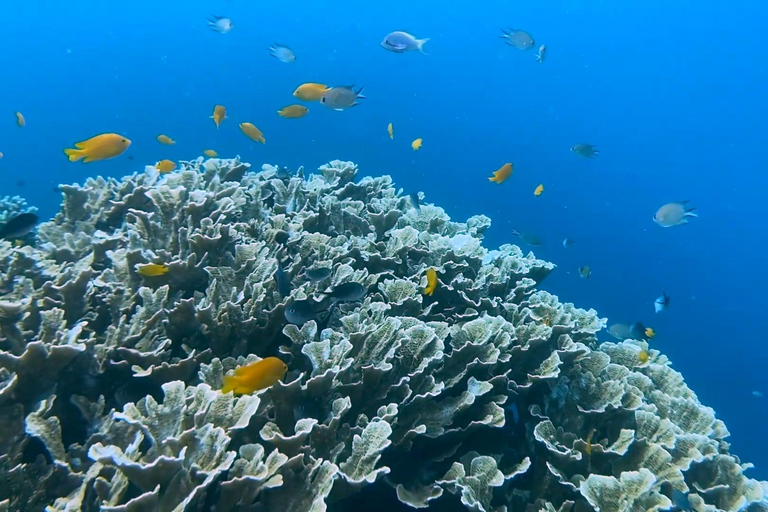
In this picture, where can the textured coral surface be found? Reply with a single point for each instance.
(489, 394)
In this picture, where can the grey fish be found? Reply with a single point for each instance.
(347, 292)
(661, 303)
(283, 281)
(341, 97)
(302, 311)
(518, 38)
(528, 238)
(317, 275)
(415, 200)
(220, 24)
(282, 53)
(568, 242)
(542, 54)
(283, 173)
(19, 225)
(585, 150)
(400, 42)
(674, 214)
(620, 331)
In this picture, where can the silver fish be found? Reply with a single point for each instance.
(341, 97)
(568, 242)
(620, 331)
(282, 53)
(585, 150)
(220, 24)
(674, 214)
(542, 54)
(400, 42)
(661, 303)
(518, 38)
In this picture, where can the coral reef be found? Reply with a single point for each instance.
(489, 394)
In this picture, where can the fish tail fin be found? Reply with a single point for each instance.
(74, 154)
(231, 383)
(420, 44)
(515, 232)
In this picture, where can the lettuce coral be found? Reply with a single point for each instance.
(489, 394)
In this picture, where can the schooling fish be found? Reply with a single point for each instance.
(391, 131)
(293, 111)
(585, 150)
(537, 192)
(164, 139)
(542, 54)
(431, 282)
(302, 311)
(210, 153)
(255, 376)
(674, 214)
(342, 97)
(661, 303)
(310, 91)
(19, 225)
(252, 132)
(219, 114)
(220, 24)
(316, 275)
(415, 200)
(282, 53)
(502, 174)
(416, 144)
(165, 166)
(20, 120)
(346, 292)
(400, 42)
(100, 147)
(518, 38)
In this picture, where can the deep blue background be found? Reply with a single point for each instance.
(672, 93)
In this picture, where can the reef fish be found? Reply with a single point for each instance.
(416, 144)
(283, 281)
(502, 174)
(431, 282)
(620, 331)
(210, 153)
(293, 111)
(346, 292)
(19, 225)
(639, 332)
(20, 120)
(518, 38)
(528, 238)
(100, 147)
(255, 376)
(585, 272)
(538, 191)
(219, 114)
(674, 214)
(164, 139)
(661, 303)
(643, 356)
(585, 150)
(542, 54)
(282, 53)
(342, 97)
(302, 311)
(319, 274)
(310, 91)
(400, 42)
(568, 242)
(152, 269)
(391, 131)
(165, 166)
(252, 132)
(415, 200)
(220, 24)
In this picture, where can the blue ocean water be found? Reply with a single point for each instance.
(672, 93)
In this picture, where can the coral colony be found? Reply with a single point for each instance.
(487, 395)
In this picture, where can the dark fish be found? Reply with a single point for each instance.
(316, 275)
(528, 238)
(415, 200)
(585, 150)
(130, 157)
(347, 292)
(520, 39)
(20, 183)
(302, 311)
(283, 281)
(638, 331)
(19, 226)
(283, 173)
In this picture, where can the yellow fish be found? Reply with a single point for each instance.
(255, 376)
(100, 147)
(500, 176)
(538, 190)
(152, 270)
(18, 243)
(165, 166)
(20, 120)
(431, 282)
(650, 333)
(416, 145)
(164, 139)
(219, 114)
(391, 131)
(310, 91)
(293, 111)
(252, 132)
(211, 153)
(643, 357)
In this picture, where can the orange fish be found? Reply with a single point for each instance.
(165, 166)
(100, 147)
(219, 114)
(255, 376)
(252, 132)
(20, 120)
(500, 176)
(416, 144)
(310, 91)
(211, 153)
(431, 282)
(152, 270)
(164, 139)
(538, 190)
(293, 111)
